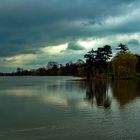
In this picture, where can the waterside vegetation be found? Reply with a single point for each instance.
(97, 64)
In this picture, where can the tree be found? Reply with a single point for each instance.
(80, 62)
(90, 62)
(52, 68)
(102, 57)
(51, 64)
(19, 71)
(80, 67)
(90, 57)
(122, 48)
(97, 61)
(41, 71)
(138, 64)
(124, 65)
(107, 52)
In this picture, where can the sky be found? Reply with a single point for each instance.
(34, 32)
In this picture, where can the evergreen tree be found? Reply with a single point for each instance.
(122, 48)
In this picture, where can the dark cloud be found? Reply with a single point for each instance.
(26, 26)
(134, 42)
(134, 45)
(74, 46)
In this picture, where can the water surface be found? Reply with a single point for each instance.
(67, 108)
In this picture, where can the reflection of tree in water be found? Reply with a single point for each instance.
(97, 90)
(125, 91)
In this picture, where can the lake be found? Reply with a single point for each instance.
(68, 108)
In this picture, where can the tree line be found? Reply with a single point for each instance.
(97, 63)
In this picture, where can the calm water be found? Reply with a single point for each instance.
(67, 108)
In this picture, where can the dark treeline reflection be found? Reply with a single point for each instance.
(103, 92)
(125, 91)
(97, 91)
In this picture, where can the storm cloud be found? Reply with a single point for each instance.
(28, 27)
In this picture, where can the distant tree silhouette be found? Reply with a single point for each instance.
(52, 68)
(90, 62)
(80, 62)
(138, 63)
(96, 65)
(80, 67)
(107, 52)
(97, 61)
(122, 48)
(102, 57)
(51, 64)
(19, 71)
(71, 68)
(41, 71)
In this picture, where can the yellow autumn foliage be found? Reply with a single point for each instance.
(124, 65)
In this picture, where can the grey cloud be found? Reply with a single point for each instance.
(29, 25)
(134, 45)
(74, 46)
(134, 42)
